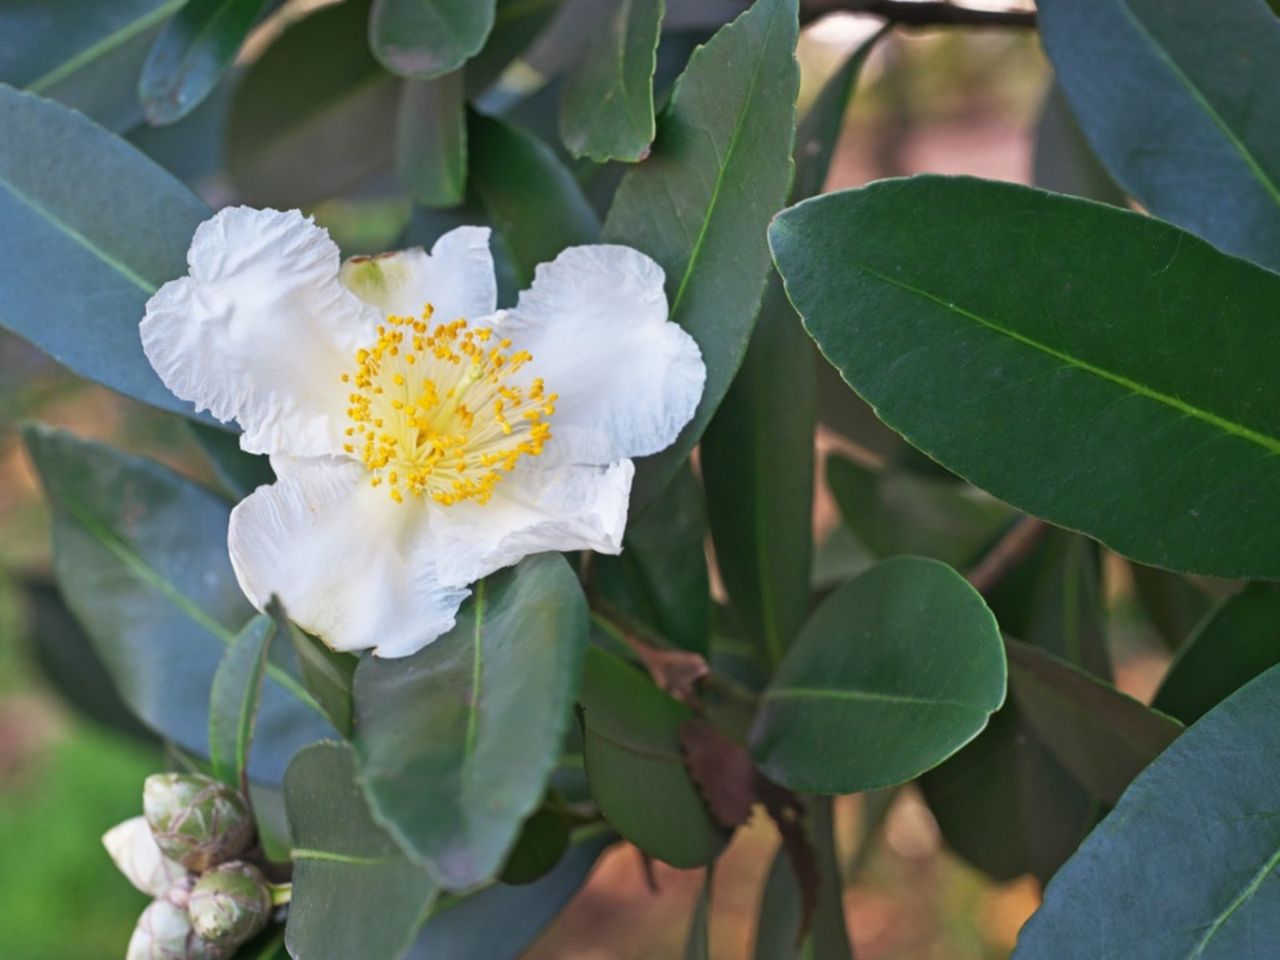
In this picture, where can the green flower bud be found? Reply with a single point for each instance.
(164, 933)
(197, 821)
(230, 904)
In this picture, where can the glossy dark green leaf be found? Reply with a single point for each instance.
(500, 921)
(455, 744)
(635, 767)
(67, 660)
(238, 472)
(895, 512)
(1173, 604)
(140, 555)
(1240, 640)
(85, 54)
(81, 260)
(533, 201)
(661, 575)
(428, 38)
(730, 121)
(781, 911)
(191, 54)
(234, 699)
(326, 674)
(431, 140)
(904, 662)
(607, 108)
(517, 24)
(1063, 161)
(697, 945)
(355, 894)
(543, 839)
(315, 115)
(940, 337)
(1185, 865)
(1103, 737)
(1166, 96)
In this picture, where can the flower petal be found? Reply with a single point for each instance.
(350, 565)
(569, 507)
(595, 320)
(261, 330)
(456, 278)
(133, 848)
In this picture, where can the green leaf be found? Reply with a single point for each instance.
(327, 674)
(606, 112)
(82, 260)
(428, 38)
(234, 699)
(661, 575)
(140, 555)
(355, 894)
(697, 945)
(83, 53)
(905, 662)
(239, 473)
(1103, 737)
(534, 202)
(781, 909)
(500, 921)
(543, 839)
(730, 122)
(431, 140)
(1166, 97)
(1173, 604)
(191, 54)
(939, 337)
(1185, 866)
(455, 744)
(635, 767)
(1240, 640)
(895, 512)
(516, 25)
(315, 115)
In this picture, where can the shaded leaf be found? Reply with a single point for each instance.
(1173, 604)
(697, 944)
(1063, 161)
(635, 768)
(1185, 864)
(234, 699)
(1166, 97)
(238, 472)
(905, 661)
(939, 337)
(730, 121)
(543, 840)
(327, 674)
(428, 38)
(81, 261)
(345, 867)
(191, 54)
(1102, 736)
(1240, 640)
(606, 112)
(431, 140)
(455, 743)
(140, 555)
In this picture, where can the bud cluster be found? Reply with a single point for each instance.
(187, 851)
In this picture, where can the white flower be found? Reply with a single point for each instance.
(133, 848)
(421, 438)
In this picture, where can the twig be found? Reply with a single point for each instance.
(911, 14)
(1012, 547)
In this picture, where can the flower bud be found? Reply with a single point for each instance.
(164, 933)
(134, 850)
(230, 904)
(196, 820)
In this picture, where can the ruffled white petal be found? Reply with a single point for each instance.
(569, 507)
(350, 565)
(133, 848)
(261, 330)
(595, 320)
(456, 278)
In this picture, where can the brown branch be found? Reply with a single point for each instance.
(910, 14)
(1004, 556)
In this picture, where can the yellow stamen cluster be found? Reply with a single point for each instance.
(435, 411)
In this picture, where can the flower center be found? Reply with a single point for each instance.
(434, 411)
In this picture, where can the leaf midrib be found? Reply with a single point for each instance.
(1268, 443)
(866, 696)
(1250, 889)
